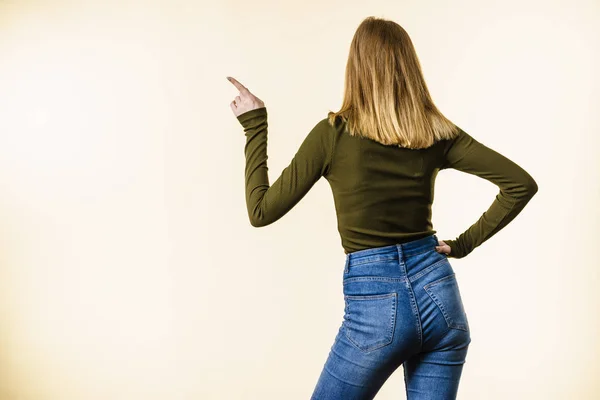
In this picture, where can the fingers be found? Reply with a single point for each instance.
(245, 101)
(238, 85)
(443, 249)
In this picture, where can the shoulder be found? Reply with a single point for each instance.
(455, 148)
(324, 130)
(461, 140)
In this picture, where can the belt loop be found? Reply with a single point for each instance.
(346, 264)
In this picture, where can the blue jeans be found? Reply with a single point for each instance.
(402, 307)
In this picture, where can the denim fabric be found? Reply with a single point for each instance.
(402, 307)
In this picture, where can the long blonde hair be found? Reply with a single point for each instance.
(385, 95)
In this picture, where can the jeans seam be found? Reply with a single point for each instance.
(372, 260)
(416, 254)
(341, 380)
(443, 278)
(373, 278)
(424, 271)
(413, 301)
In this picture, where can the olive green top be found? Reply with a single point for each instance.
(382, 193)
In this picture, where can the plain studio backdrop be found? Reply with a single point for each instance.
(128, 266)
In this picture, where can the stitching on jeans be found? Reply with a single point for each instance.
(412, 278)
(440, 304)
(373, 278)
(415, 254)
(392, 323)
(447, 277)
(369, 296)
(415, 308)
(447, 317)
(372, 260)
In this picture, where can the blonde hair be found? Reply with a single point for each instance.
(385, 95)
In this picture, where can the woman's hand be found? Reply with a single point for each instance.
(246, 101)
(443, 247)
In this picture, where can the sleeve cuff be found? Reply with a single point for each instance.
(454, 250)
(248, 115)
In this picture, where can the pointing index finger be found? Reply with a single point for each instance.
(238, 85)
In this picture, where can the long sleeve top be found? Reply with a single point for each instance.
(382, 193)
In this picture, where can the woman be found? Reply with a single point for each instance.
(381, 153)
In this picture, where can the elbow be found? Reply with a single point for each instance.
(523, 190)
(531, 187)
(257, 223)
(260, 216)
(258, 220)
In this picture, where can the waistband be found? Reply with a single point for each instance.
(397, 251)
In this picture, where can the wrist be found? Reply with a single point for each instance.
(455, 251)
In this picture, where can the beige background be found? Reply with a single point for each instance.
(128, 267)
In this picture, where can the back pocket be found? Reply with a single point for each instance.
(370, 320)
(446, 294)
